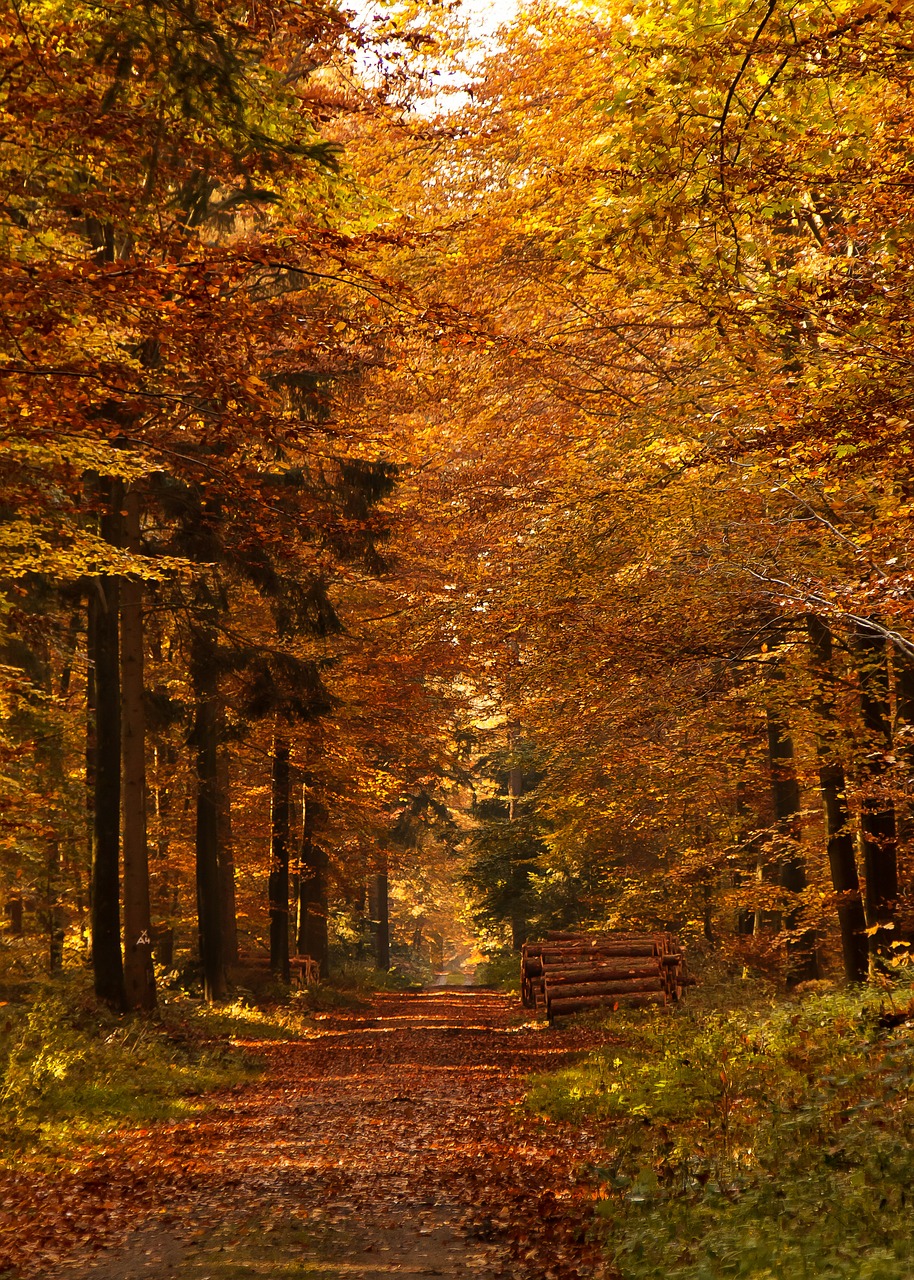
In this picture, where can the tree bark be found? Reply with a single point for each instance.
(91, 751)
(842, 858)
(226, 854)
(55, 914)
(519, 927)
(877, 812)
(802, 964)
(15, 908)
(379, 906)
(164, 875)
(312, 937)
(279, 860)
(139, 975)
(107, 961)
(206, 735)
(904, 749)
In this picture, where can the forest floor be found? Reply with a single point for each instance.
(387, 1142)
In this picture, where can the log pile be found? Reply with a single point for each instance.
(571, 972)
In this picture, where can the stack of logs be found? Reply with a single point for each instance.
(571, 972)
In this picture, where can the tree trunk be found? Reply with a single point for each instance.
(877, 811)
(15, 908)
(832, 783)
(379, 906)
(206, 735)
(107, 962)
(104, 664)
(802, 964)
(312, 891)
(55, 915)
(515, 790)
(139, 975)
(279, 860)
(904, 749)
(164, 875)
(226, 854)
(91, 752)
(745, 918)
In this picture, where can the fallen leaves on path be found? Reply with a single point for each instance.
(395, 1127)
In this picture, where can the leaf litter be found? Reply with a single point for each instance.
(387, 1142)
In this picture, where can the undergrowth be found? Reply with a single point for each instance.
(360, 976)
(501, 970)
(72, 1069)
(769, 1143)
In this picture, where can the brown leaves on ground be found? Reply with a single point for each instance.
(390, 1135)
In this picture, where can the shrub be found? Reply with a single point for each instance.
(72, 1066)
(773, 1143)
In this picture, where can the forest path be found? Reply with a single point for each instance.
(385, 1144)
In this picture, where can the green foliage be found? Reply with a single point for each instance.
(362, 977)
(757, 1143)
(71, 1067)
(501, 969)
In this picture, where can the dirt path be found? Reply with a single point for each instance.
(387, 1144)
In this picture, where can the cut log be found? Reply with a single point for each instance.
(638, 969)
(633, 987)
(553, 952)
(568, 972)
(562, 1008)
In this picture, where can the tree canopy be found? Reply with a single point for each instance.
(463, 511)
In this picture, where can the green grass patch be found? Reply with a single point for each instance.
(501, 970)
(354, 977)
(767, 1143)
(70, 1069)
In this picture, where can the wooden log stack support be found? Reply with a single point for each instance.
(570, 972)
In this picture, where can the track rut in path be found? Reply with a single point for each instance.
(386, 1143)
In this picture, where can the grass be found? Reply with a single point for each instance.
(771, 1140)
(70, 1069)
(501, 970)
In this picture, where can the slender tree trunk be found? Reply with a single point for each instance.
(877, 812)
(745, 918)
(15, 909)
(56, 920)
(842, 858)
(139, 975)
(904, 749)
(802, 964)
(56, 930)
(279, 860)
(164, 876)
(515, 791)
(107, 962)
(379, 906)
(162, 801)
(91, 751)
(226, 854)
(312, 937)
(209, 898)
